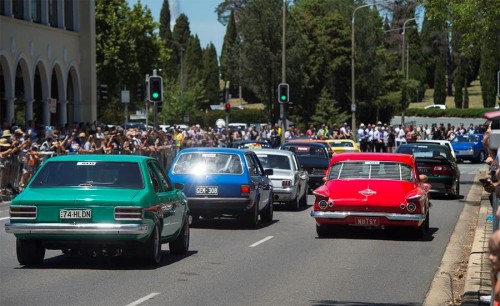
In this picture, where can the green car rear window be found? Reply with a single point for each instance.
(89, 173)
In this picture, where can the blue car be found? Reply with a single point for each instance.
(469, 147)
(221, 182)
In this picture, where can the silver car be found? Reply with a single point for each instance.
(290, 181)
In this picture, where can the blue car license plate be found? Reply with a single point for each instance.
(207, 190)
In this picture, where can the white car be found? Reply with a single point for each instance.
(438, 106)
(441, 142)
(290, 181)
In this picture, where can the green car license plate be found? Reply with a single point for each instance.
(75, 214)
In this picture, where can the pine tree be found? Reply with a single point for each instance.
(211, 74)
(327, 111)
(165, 31)
(440, 81)
(230, 55)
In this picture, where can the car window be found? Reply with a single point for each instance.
(208, 163)
(307, 151)
(274, 161)
(162, 177)
(253, 166)
(371, 170)
(89, 173)
(154, 179)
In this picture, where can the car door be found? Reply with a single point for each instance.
(172, 205)
(302, 175)
(259, 179)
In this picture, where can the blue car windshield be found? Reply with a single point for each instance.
(466, 138)
(208, 163)
(89, 174)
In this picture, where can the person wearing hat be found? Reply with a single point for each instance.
(363, 138)
(6, 134)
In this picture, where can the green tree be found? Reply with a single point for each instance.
(327, 111)
(231, 56)
(490, 65)
(211, 74)
(440, 81)
(193, 58)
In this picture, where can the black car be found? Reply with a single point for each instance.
(437, 162)
(313, 157)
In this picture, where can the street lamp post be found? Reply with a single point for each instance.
(403, 67)
(353, 86)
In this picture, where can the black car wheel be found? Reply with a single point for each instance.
(480, 158)
(29, 252)
(294, 204)
(251, 217)
(181, 244)
(152, 249)
(322, 230)
(268, 212)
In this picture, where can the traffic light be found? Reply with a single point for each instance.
(140, 91)
(155, 89)
(103, 92)
(227, 107)
(283, 93)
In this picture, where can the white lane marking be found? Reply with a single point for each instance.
(5, 218)
(144, 299)
(261, 241)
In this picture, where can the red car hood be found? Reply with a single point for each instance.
(367, 192)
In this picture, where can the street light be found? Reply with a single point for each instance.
(403, 50)
(353, 86)
(403, 67)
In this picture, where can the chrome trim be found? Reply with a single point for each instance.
(72, 228)
(390, 216)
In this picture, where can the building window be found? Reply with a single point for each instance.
(18, 9)
(53, 13)
(69, 23)
(36, 11)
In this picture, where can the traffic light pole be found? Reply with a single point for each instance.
(283, 73)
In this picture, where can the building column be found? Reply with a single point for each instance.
(46, 111)
(10, 108)
(77, 111)
(28, 111)
(63, 112)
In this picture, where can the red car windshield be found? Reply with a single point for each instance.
(371, 170)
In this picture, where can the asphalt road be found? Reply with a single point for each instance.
(282, 263)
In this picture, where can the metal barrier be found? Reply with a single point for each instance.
(15, 172)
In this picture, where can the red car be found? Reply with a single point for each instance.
(376, 190)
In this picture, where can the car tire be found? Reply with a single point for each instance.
(294, 204)
(29, 252)
(322, 230)
(152, 249)
(251, 217)
(424, 228)
(480, 158)
(303, 200)
(181, 244)
(268, 212)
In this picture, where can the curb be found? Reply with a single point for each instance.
(441, 291)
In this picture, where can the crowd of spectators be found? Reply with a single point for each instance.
(32, 143)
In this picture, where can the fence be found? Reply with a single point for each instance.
(15, 171)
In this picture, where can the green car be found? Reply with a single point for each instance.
(102, 204)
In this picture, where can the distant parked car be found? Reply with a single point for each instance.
(470, 147)
(290, 181)
(105, 204)
(435, 106)
(251, 144)
(343, 145)
(224, 182)
(372, 190)
(437, 162)
(313, 157)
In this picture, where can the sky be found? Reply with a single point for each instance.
(201, 15)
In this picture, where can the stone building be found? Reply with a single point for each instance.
(47, 61)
